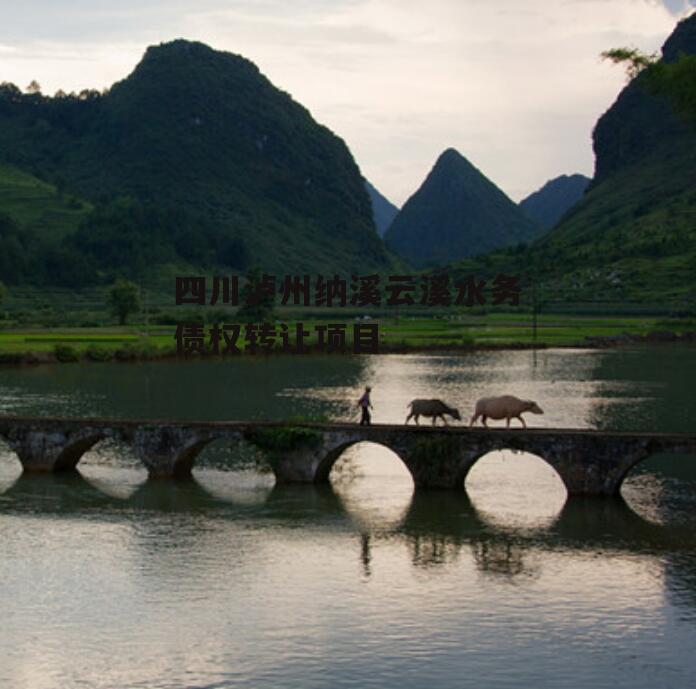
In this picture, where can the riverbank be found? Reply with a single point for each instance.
(412, 335)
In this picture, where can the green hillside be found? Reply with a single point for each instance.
(37, 206)
(633, 234)
(195, 158)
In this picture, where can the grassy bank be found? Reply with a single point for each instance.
(500, 330)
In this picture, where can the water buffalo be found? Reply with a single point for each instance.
(503, 407)
(434, 408)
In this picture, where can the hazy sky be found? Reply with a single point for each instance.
(515, 85)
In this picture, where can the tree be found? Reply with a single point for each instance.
(632, 58)
(124, 298)
(34, 88)
(2, 292)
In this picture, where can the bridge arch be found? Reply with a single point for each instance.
(330, 457)
(52, 451)
(227, 452)
(173, 452)
(110, 446)
(185, 457)
(644, 455)
(471, 458)
(74, 450)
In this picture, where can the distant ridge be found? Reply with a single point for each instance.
(383, 210)
(550, 203)
(457, 212)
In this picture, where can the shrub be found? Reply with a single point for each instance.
(96, 353)
(284, 439)
(126, 353)
(65, 353)
(134, 352)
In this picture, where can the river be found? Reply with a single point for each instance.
(113, 581)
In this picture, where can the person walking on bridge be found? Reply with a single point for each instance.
(365, 406)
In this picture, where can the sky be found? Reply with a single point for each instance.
(515, 86)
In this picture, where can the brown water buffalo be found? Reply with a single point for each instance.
(504, 407)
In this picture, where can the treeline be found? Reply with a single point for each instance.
(36, 129)
(118, 238)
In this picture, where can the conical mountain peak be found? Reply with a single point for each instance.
(457, 212)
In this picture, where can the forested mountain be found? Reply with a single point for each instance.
(457, 212)
(194, 159)
(633, 234)
(550, 203)
(383, 210)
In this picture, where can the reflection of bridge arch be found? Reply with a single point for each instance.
(438, 528)
(174, 496)
(58, 493)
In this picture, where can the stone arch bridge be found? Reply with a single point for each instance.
(588, 462)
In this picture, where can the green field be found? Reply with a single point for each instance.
(141, 341)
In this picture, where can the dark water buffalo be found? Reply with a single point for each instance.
(434, 408)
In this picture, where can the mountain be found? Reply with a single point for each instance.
(634, 232)
(383, 210)
(548, 205)
(632, 237)
(195, 159)
(457, 212)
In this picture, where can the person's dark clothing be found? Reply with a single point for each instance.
(365, 404)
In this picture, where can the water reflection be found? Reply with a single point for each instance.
(289, 563)
(503, 559)
(434, 525)
(662, 489)
(227, 580)
(626, 389)
(516, 489)
(374, 486)
(45, 494)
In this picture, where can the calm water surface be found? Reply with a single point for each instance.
(113, 581)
